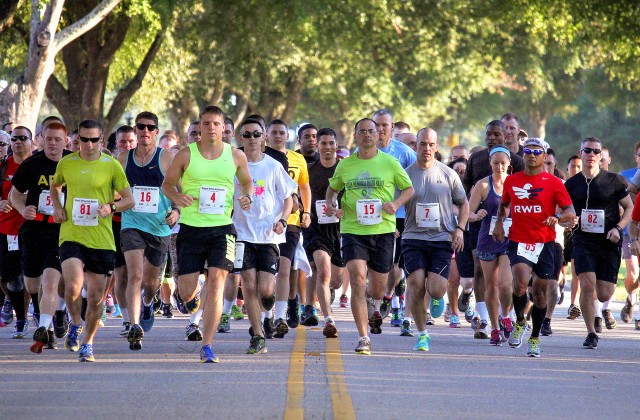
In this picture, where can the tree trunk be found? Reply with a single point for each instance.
(537, 124)
(293, 97)
(181, 114)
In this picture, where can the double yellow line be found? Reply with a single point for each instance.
(340, 398)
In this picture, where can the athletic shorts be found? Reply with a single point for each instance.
(261, 257)
(474, 232)
(568, 248)
(601, 257)
(97, 261)
(288, 249)
(324, 238)
(10, 267)
(376, 250)
(545, 268)
(116, 236)
(432, 256)
(626, 247)
(155, 247)
(559, 262)
(398, 256)
(464, 258)
(490, 256)
(39, 248)
(214, 246)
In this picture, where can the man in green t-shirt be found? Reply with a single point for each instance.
(368, 221)
(87, 247)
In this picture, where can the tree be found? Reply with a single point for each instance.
(21, 99)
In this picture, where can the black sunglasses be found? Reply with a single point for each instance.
(89, 139)
(256, 134)
(3, 143)
(20, 138)
(588, 150)
(150, 127)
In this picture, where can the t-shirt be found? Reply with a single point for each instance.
(436, 190)
(368, 183)
(275, 154)
(604, 192)
(299, 173)
(319, 182)
(272, 186)
(11, 221)
(533, 199)
(635, 215)
(310, 159)
(89, 185)
(406, 156)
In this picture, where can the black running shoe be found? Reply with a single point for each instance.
(52, 344)
(166, 310)
(281, 328)
(545, 329)
(135, 337)
(61, 323)
(591, 341)
(40, 339)
(268, 328)
(180, 304)
(293, 319)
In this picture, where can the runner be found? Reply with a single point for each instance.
(87, 247)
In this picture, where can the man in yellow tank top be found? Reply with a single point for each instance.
(206, 170)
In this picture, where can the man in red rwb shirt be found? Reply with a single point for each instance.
(10, 222)
(532, 196)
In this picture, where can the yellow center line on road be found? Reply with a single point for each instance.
(295, 382)
(340, 397)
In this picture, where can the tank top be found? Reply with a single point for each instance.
(151, 205)
(211, 182)
(486, 243)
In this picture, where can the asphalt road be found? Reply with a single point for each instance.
(307, 376)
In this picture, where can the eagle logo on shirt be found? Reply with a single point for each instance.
(527, 191)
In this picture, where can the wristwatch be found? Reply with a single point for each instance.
(113, 207)
(250, 199)
(284, 223)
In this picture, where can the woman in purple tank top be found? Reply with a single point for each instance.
(483, 205)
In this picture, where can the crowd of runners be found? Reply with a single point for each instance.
(139, 224)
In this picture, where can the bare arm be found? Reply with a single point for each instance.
(391, 207)
(305, 195)
(59, 214)
(19, 201)
(286, 212)
(477, 195)
(244, 177)
(172, 178)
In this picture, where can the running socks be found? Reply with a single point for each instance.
(519, 305)
(537, 316)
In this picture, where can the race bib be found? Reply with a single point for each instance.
(428, 215)
(530, 251)
(12, 242)
(212, 200)
(146, 199)
(592, 221)
(239, 258)
(45, 205)
(85, 212)
(321, 209)
(369, 212)
(506, 224)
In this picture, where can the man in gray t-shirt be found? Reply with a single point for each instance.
(431, 232)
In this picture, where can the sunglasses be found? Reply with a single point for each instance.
(20, 138)
(150, 127)
(89, 139)
(535, 152)
(256, 135)
(588, 150)
(3, 144)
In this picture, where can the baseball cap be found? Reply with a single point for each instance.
(535, 141)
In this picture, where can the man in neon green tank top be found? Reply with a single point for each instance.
(206, 170)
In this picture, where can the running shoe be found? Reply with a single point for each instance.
(281, 328)
(6, 315)
(40, 339)
(591, 342)
(268, 328)
(437, 307)
(396, 319)
(545, 329)
(344, 301)
(330, 330)
(454, 321)
(180, 304)
(469, 314)
(401, 287)
(447, 313)
(560, 293)
(406, 330)
(193, 305)
(533, 347)
(71, 343)
(21, 328)
(609, 320)
(364, 345)
(52, 344)
(597, 324)
(166, 310)
(495, 340)
(475, 322)
(463, 301)
(147, 317)
(573, 312)
(60, 323)
(506, 326)
(110, 304)
(626, 314)
(135, 336)
(637, 324)
(423, 343)
(429, 318)
(481, 333)
(308, 318)
(385, 306)
(193, 333)
(515, 340)
(207, 355)
(293, 318)
(257, 345)
(117, 312)
(375, 323)
(126, 326)
(224, 326)
(236, 312)
(86, 353)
